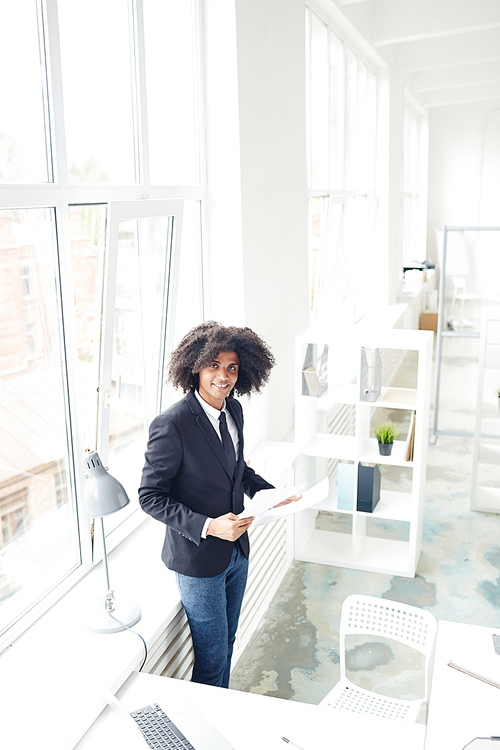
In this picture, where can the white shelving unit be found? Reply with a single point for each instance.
(339, 426)
(485, 491)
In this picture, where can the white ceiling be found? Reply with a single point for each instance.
(447, 50)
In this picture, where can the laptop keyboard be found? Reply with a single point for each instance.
(158, 730)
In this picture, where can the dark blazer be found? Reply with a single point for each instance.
(185, 480)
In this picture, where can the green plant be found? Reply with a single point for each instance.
(386, 432)
(498, 391)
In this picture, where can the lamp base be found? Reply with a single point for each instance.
(98, 620)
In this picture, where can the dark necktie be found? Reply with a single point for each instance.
(227, 443)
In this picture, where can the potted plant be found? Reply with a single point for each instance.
(386, 432)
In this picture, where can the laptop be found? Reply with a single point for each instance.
(200, 732)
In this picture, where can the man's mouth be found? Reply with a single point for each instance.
(220, 386)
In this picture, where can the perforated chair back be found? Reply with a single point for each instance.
(402, 622)
(371, 615)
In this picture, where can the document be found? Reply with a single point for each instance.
(263, 502)
(267, 499)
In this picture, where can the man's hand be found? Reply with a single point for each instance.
(292, 499)
(228, 527)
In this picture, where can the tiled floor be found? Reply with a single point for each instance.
(294, 653)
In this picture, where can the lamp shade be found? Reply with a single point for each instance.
(103, 493)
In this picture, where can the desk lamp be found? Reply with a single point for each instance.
(104, 495)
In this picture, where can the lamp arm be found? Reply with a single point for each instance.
(109, 593)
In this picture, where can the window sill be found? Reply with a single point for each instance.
(57, 663)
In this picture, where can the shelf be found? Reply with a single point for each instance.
(370, 454)
(327, 548)
(337, 394)
(330, 505)
(395, 398)
(321, 424)
(376, 555)
(392, 506)
(343, 447)
(332, 446)
(384, 556)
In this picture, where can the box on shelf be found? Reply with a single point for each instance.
(428, 321)
(345, 484)
(315, 371)
(368, 487)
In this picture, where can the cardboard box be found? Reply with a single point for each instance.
(429, 321)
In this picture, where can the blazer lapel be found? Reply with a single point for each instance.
(208, 431)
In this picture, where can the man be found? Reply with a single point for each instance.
(194, 480)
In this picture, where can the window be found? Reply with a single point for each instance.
(40, 540)
(342, 116)
(97, 48)
(90, 307)
(173, 120)
(24, 122)
(414, 182)
(14, 515)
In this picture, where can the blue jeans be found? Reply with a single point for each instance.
(213, 608)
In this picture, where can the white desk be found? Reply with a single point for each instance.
(462, 707)
(255, 722)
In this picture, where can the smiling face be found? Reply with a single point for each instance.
(216, 381)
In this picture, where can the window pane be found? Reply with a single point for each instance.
(331, 280)
(318, 212)
(138, 345)
(171, 79)
(336, 113)
(87, 227)
(23, 153)
(189, 298)
(371, 132)
(363, 160)
(97, 88)
(38, 541)
(351, 124)
(319, 103)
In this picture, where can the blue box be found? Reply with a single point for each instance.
(345, 481)
(368, 487)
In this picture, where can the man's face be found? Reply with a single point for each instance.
(218, 379)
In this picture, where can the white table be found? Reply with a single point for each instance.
(462, 707)
(254, 722)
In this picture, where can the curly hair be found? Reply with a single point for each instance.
(203, 343)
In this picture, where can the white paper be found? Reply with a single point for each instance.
(265, 499)
(311, 497)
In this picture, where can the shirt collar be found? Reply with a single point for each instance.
(210, 410)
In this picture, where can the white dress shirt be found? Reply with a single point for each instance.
(213, 415)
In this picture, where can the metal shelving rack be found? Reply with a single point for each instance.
(485, 490)
(443, 332)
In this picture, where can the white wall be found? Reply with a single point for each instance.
(271, 76)
(456, 140)
(257, 201)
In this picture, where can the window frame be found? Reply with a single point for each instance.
(414, 182)
(59, 195)
(354, 46)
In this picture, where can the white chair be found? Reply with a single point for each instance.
(370, 615)
(460, 292)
